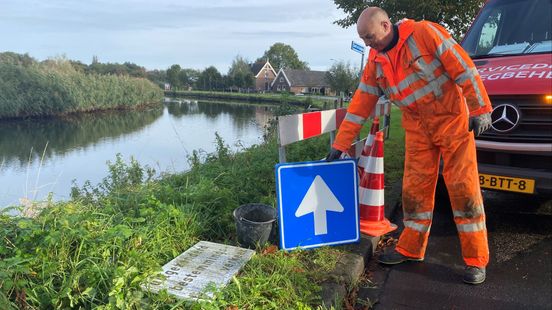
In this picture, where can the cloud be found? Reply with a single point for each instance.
(157, 34)
(73, 16)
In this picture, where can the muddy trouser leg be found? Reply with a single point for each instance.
(421, 168)
(462, 180)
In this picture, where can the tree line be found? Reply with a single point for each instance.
(239, 75)
(340, 76)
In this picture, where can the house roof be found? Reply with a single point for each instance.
(257, 67)
(306, 78)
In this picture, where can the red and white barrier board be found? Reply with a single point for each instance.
(293, 128)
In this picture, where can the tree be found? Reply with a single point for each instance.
(158, 77)
(239, 74)
(342, 77)
(173, 76)
(18, 59)
(455, 15)
(134, 70)
(192, 75)
(126, 68)
(79, 66)
(210, 79)
(282, 55)
(183, 79)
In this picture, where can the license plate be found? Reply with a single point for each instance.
(507, 183)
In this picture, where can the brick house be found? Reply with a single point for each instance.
(264, 75)
(302, 82)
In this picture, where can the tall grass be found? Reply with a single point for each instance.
(55, 87)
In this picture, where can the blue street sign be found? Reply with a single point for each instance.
(317, 203)
(357, 47)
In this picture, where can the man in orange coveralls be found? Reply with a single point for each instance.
(419, 67)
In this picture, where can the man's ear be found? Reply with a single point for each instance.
(386, 25)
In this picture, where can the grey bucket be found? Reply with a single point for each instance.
(254, 223)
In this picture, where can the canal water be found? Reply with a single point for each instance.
(38, 157)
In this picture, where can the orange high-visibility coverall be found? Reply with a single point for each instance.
(437, 87)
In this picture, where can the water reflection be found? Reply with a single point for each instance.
(24, 141)
(242, 114)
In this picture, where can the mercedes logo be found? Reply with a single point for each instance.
(505, 117)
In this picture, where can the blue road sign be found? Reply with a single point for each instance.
(357, 47)
(317, 203)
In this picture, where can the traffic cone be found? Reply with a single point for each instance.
(372, 207)
(365, 150)
(365, 155)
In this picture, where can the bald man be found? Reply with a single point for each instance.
(420, 68)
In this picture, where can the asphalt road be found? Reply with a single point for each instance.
(519, 275)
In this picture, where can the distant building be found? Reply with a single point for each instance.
(264, 75)
(167, 86)
(302, 82)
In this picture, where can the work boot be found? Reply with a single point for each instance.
(474, 275)
(393, 257)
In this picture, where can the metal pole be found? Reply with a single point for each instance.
(282, 154)
(387, 126)
(281, 148)
(361, 63)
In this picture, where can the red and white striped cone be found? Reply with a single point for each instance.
(371, 194)
(365, 155)
(363, 150)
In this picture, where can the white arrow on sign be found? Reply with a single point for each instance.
(319, 199)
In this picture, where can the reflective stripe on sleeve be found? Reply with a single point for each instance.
(415, 226)
(464, 65)
(419, 216)
(372, 90)
(474, 227)
(467, 75)
(355, 118)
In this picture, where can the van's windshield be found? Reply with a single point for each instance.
(511, 27)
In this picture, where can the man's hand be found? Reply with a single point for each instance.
(479, 124)
(333, 155)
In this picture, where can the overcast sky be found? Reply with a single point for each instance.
(191, 33)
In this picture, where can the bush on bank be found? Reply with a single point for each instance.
(94, 251)
(55, 87)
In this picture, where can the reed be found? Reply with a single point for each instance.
(55, 87)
